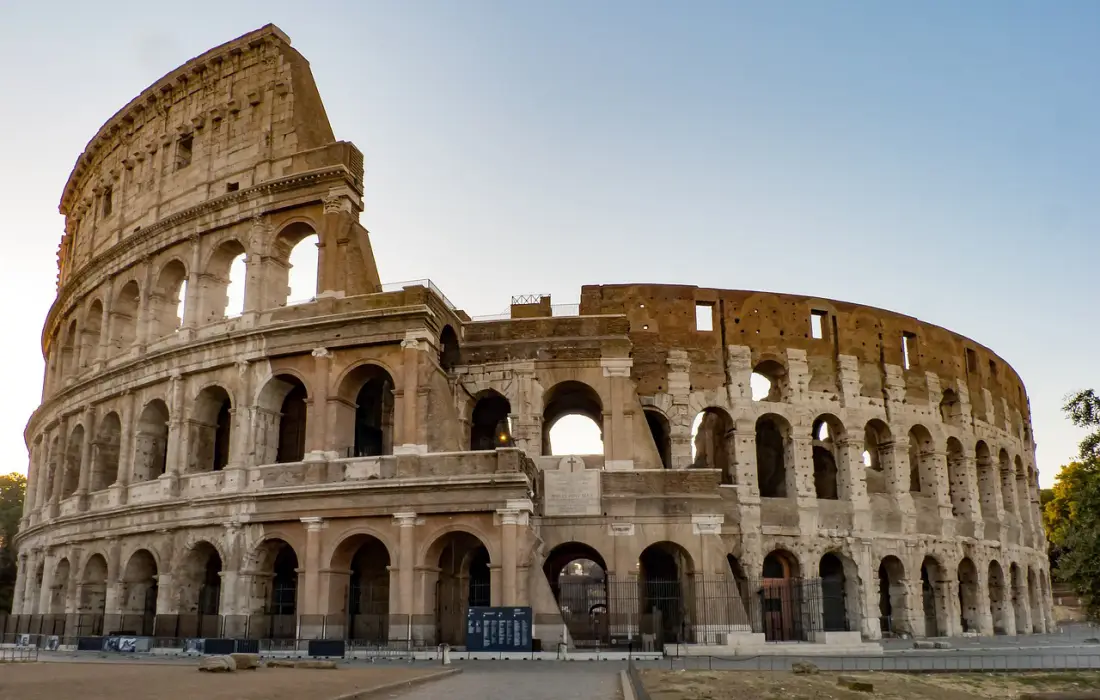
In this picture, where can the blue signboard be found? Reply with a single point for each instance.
(498, 629)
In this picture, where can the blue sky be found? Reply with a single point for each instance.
(936, 158)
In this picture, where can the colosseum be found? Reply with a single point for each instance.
(370, 463)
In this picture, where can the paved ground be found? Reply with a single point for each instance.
(523, 681)
(148, 681)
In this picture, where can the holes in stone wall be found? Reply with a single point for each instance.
(971, 360)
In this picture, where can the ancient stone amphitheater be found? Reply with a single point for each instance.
(369, 463)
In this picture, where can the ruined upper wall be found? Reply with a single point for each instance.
(663, 317)
(225, 121)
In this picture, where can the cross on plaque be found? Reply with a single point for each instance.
(572, 463)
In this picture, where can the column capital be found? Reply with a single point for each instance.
(313, 523)
(407, 519)
(616, 366)
(511, 516)
(321, 352)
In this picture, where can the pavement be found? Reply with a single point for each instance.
(523, 680)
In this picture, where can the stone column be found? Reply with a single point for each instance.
(406, 575)
(192, 311)
(21, 570)
(177, 437)
(48, 567)
(317, 438)
(141, 331)
(31, 590)
(411, 347)
(312, 583)
(947, 605)
(114, 595)
(800, 480)
(125, 451)
(618, 443)
(59, 467)
(852, 481)
(508, 522)
(984, 602)
(240, 437)
(86, 458)
(1021, 604)
(105, 324)
(895, 456)
(34, 466)
(41, 495)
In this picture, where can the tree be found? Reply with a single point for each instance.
(12, 488)
(1072, 516)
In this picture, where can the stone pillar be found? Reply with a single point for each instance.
(411, 348)
(31, 590)
(800, 480)
(86, 458)
(942, 490)
(948, 603)
(34, 467)
(406, 575)
(21, 571)
(508, 522)
(618, 443)
(114, 595)
(912, 621)
(312, 583)
(104, 350)
(125, 451)
(895, 456)
(240, 437)
(59, 467)
(984, 602)
(191, 305)
(49, 566)
(141, 332)
(177, 436)
(317, 437)
(852, 481)
(1021, 604)
(42, 495)
(255, 282)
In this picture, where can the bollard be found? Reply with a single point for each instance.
(446, 653)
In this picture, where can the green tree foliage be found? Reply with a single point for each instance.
(1072, 516)
(12, 488)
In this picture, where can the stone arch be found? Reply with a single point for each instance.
(826, 433)
(198, 579)
(368, 420)
(770, 381)
(565, 399)
(222, 284)
(577, 574)
(74, 448)
(59, 588)
(781, 596)
(54, 462)
(70, 350)
(92, 334)
(998, 602)
(969, 600)
(297, 274)
(211, 427)
(839, 592)
(461, 562)
(665, 574)
(877, 441)
(363, 592)
(988, 484)
(774, 456)
(1008, 481)
(92, 596)
(124, 317)
(105, 452)
(151, 441)
(661, 432)
(276, 589)
(1023, 489)
(138, 596)
(281, 419)
(957, 477)
(922, 461)
(893, 597)
(490, 421)
(951, 408)
(933, 602)
(450, 353)
(166, 303)
(710, 438)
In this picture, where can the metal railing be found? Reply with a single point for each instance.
(398, 286)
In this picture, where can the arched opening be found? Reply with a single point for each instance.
(1018, 592)
(281, 602)
(55, 462)
(710, 435)
(572, 420)
(168, 299)
(105, 452)
(893, 604)
(578, 579)
(463, 583)
(124, 317)
(772, 455)
(223, 285)
(302, 272)
(92, 596)
(667, 596)
(374, 413)
(70, 351)
(922, 461)
(1023, 491)
(931, 583)
(1008, 482)
(834, 602)
(997, 599)
(951, 408)
(199, 589)
(661, 433)
(281, 414)
(449, 353)
(877, 440)
(490, 422)
(781, 597)
(969, 602)
(956, 476)
(826, 432)
(71, 474)
(93, 325)
(139, 594)
(769, 382)
(211, 430)
(988, 483)
(59, 588)
(151, 441)
(366, 594)
(1033, 600)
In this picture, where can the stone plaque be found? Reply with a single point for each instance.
(571, 491)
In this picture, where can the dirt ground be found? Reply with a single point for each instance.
(764, 685)
(147, 681)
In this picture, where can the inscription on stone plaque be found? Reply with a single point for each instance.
(571, 489)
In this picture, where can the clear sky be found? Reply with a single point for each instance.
(940, 159)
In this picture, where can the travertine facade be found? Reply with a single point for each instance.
(337, 456)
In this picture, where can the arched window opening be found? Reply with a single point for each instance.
(782, 597)
(1008, 482)
(139, 601)
(463, 582)
(124, 318)
(951, 408)
(572, 420)
(292, 424)
(931, 604)
(93, 323)
(490, 422)
(169, 299)
(1023, 491)
(223, 285)
(876, 442)
(55, 463)
(662, 436)
(374, 414)
(577, 576)
(92, 596)
(769, 382)
(665, 572)
(59, 588)
(956, 476)
(834, 604)
(284, 583)
(73, 449)
(772, 439)
(998, 605)
(987, 481)
(211, 430)
(826, 431)
(922, 466)
(968, 596)
(70, 351)
(281, 420)
(105, 452)
(449, 353)
(302, 275)
(151, 442)
(710, 435)
(893, 602)
(368, 590)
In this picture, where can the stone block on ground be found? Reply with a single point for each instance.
(280, 663)
(316, 663)
(942, 645)
(1062, 695)
(804, 668)
(922, 644)
(857, 684)
(217, 664)
(246, 662)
